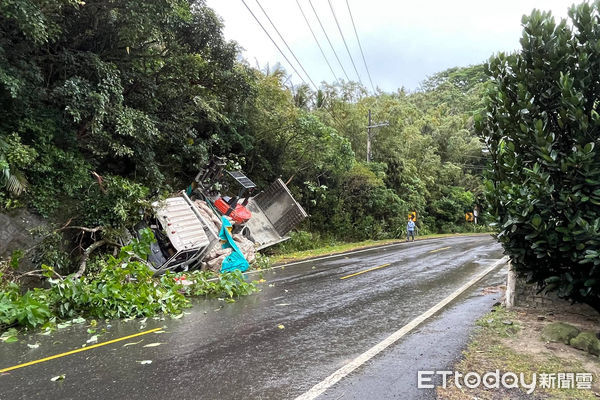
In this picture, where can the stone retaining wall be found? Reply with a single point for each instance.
(521, 294)
(15, 232)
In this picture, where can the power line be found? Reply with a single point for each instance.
(329, 41)
(286, 45)
(316, 40)
(359, 46)
(282, 53)
(344, 40)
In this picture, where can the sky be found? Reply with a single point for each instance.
(403, 41)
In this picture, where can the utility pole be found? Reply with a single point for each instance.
(369, 138)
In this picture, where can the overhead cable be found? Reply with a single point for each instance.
(344, 40)
(280, 51)
(359, 46)
(316, 40)
(286, 45)
(329, 41)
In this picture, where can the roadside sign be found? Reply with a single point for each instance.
(469, 217)
(412, 216)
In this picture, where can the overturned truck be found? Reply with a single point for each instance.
(190, 228)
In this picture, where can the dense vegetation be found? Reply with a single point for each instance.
(542, 126)
(106, 105)
(124, 287)
(102, 103)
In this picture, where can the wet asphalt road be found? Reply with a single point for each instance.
(237, 351)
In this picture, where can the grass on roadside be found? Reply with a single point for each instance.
(503, 343)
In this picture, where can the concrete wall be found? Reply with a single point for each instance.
(15, 231)
(521, 294)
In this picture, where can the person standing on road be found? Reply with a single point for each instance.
(410, 230)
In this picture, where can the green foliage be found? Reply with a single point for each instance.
(102, 103)
(116, 203)
(14, 156)
(230, 284)
(29, 309)
(51, 250)
(302, 240)
(58, 177)
(16, 258)
(448, 212)
(123, 287)
(116, 89)
(262, 261)
(541, 126)
(360, 207)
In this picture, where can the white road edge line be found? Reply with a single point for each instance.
(332, 379)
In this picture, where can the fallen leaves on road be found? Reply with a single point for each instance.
(33, 346)
(281, 326)
(9, 336)
(492, 290)
(58, 378)
(93, 339)
(132, 343)
(47, 331)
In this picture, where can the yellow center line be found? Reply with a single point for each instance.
(366, 270)
(41, 360)
(443, 248)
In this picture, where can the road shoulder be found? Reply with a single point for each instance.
(512, 341)
(435, 345)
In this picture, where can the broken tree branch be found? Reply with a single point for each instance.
(39, 273)
(86, 255)
(83, 228)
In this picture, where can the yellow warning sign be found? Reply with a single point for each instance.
(412, 216)
(469, 217)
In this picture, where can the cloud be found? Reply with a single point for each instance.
(404, 42)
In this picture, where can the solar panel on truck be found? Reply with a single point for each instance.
(242, 179)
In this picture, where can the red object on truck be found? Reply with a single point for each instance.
(239, 214)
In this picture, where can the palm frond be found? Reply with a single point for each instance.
(15, 182)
